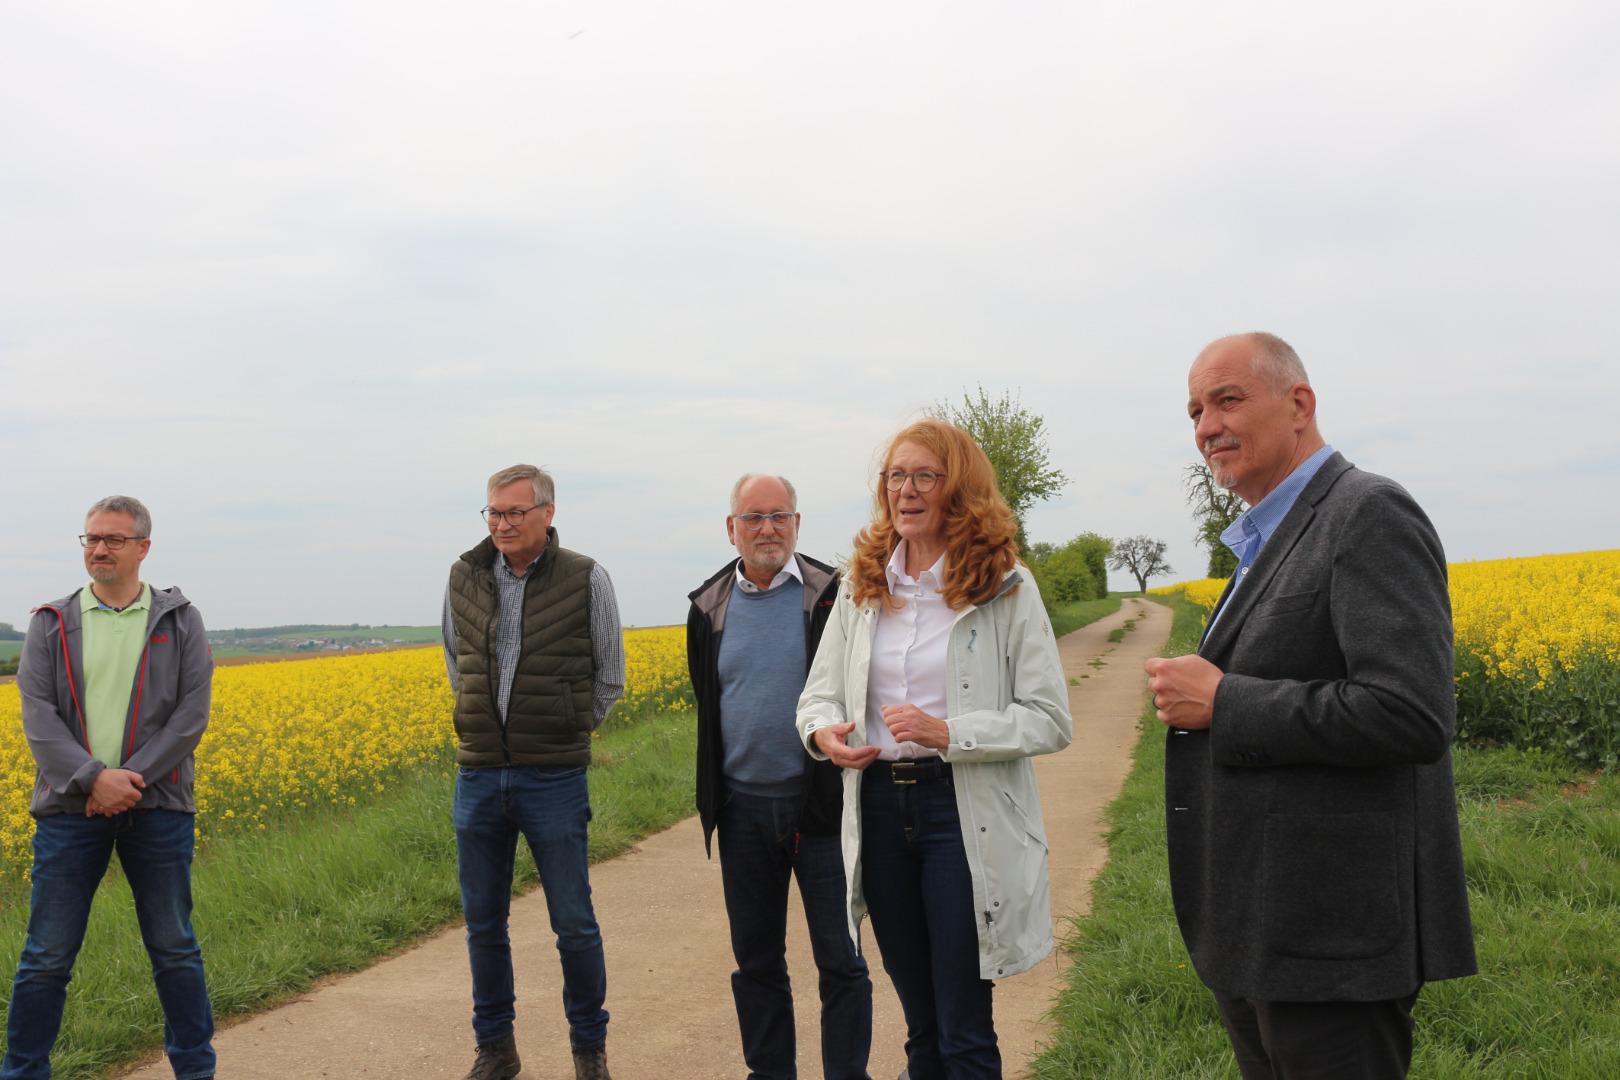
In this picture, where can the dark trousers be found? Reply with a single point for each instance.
(549, 808)
(919, 892)
(71, 853)
(1319, 1040)
(760, 849)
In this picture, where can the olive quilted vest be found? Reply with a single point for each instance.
(548, 716)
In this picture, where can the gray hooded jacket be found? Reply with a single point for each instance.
(168, 708)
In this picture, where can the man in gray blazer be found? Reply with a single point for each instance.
(1315, 860)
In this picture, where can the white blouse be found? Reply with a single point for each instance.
(910, 648)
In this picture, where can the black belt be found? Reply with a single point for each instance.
(910, 772)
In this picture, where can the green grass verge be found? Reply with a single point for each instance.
(1067, 618)
(1541, 840)
(277, 910)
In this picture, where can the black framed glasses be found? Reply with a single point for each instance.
(922, 479)
(114, 543)
(755, 522)
(494, 517)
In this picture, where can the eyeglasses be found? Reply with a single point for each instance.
(494, 517)
(754, 522)
(922, 479)
(114, 543)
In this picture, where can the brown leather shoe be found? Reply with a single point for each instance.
(591, 1064)
(496, 1060)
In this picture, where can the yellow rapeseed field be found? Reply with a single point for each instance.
(1204, 592)
(1523, 618)
(1529, 618)
(1538, 651)
(285, 738)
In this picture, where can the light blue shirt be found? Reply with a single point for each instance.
(1249, 533)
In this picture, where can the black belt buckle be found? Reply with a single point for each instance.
(894, 771)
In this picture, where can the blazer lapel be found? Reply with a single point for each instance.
(1218, 642)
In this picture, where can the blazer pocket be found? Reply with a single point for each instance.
(1330, 886)
(1283, 605)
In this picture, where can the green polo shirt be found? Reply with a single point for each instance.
(112, 642)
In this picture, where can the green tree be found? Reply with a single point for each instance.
(1213, 508)
(1015, 441)
(1095, 549)
(10, 633)
(1076, 571)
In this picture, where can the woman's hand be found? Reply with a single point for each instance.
(907, 723)
(830, 740)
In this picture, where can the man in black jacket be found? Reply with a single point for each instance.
(750, 637)
(1315, 859)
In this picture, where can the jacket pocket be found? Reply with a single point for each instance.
(1330, 886)
(1284, 605)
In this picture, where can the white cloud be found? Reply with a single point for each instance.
(272, 266)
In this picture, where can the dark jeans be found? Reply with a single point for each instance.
(920, 896)
(760, 849)
(550, 808)
(1319, 1040)
(71, 853)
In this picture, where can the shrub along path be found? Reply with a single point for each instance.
(668, 953)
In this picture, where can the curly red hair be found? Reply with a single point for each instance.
(981, 533)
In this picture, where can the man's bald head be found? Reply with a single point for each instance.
(1271, 359)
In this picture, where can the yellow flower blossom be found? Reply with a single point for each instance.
(286, 738)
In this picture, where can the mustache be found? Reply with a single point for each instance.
(1220, 442)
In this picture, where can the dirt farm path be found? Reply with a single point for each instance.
(668, 954)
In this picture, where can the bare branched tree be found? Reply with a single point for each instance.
(1143, 556)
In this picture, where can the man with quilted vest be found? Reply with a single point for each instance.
(535, 655)
(115, 680)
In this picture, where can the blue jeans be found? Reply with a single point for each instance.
(71, 853)
(550, 808)
(919, 894)
(760, 849)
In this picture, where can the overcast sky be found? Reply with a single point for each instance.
(302, 275)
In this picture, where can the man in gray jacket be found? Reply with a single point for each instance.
(1315, 859)
(115, 681)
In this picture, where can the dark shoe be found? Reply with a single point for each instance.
(591, 1064)
(496, 1060)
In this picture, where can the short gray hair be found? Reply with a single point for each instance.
(124, 504)
(1276, 363)
(544, 489)
(736, 489)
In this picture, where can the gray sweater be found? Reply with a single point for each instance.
(761, 674)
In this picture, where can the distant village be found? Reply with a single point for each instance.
(287, 639)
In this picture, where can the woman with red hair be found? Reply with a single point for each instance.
(936, 680)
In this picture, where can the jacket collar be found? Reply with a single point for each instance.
(714, 595)
(163, 601)
(1218, 640)
(482, 556)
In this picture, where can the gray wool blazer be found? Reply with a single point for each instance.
(1313, 841)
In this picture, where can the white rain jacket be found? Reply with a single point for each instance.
(1007, 701)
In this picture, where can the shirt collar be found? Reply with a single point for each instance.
(501, 565)
(933, 577)
(1258, 522)
(89, 601)
(788, 572)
